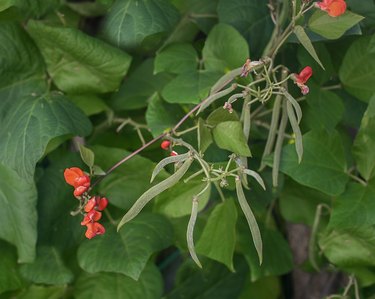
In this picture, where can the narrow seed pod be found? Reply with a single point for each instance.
(296, 131)
(256, 176)
(154, 191)
(295, 104)
(166, 161)
(212, 98)
(190, 232)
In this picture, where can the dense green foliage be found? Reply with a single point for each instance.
(119, 73)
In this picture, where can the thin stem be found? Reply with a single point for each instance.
(221, 194)
(332, 87)
(357, 179)
(186, 131)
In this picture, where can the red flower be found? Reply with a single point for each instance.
(334, 8)
(102, 203)
(71, 174)
(304, 75)
(165, 145)
(91, 217)
(79, 191)
(96, 202)
(94, 229)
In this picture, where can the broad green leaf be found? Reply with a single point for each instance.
(130, 22)
(349, 248)
(277, 256)
(21, 61)
(204, 136)
(118, 286)
(225, 49)
(298, 203)
(90, 104)
(154, 191)
(365, 8)
(9, 277)
(18, 213)
(265, 288)
(325, 109)
(128, 182)
(364, 143)
(31, 122)
(77, 62)
(55, 202)
(251, 18)
(190, 87)
(42, 292)
(139, 87)
(356, 204)
(221, 115)
(89, 9)
(87, 155)
(176, 59)
(306, 43)
(48, 268)
(323, 166)
(213, 281)
(221, 222)
(357, 70)
(229, 135)
(161, 116)
(332, 27)
(127, 251)
(27, 8)
(177, 201)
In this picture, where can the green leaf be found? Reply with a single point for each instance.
(229, 135)
(298, 203)
(265, 288)
(31, 122)
(326, 109)
(127, 251)
(127, 177)
(364, 143)
(251, 18)
(221, 222)
(177, 201)
(332, 27)
(9, 277)
(48, 268)
(139, 87)
(277, 256)
(87, 155)
(356, 204)
(305, 41)
(90, 104)
(18, 201)
(41, 292)
(161, 116)
(323, 166)
(221, 115)
(349, 248)
(213, 281)
(225, 49)
(29, 8)
(190, 87)
(118, 286)
(357, 70)
(77, 62)
(154, 191)
(204, 136)
(130, 22)
(251, 221)
(176, 59)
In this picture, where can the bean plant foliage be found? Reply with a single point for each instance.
(192, 133)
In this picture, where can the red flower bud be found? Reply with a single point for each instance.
(71, 174)
(304, 75)
(102, 203)
(334, 8)
(165, 144)
(79, 191)
(94, 229)
(173, 153)
(82, 181)
(91, 217)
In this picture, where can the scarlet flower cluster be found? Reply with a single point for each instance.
(78, 179)
(334, 8)
(166, 145)
(92, 206)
